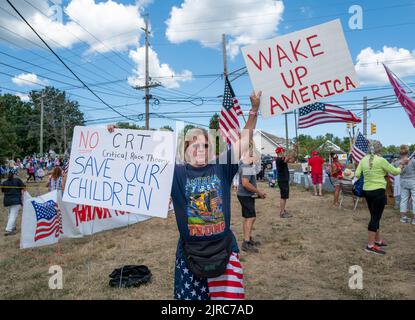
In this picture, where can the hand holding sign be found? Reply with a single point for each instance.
(128, 170)
(300, 68)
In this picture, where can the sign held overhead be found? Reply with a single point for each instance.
(300, 68)
(128, 170)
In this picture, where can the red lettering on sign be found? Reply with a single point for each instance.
(89, 141)
(295, 51)
(261, 56)
(274, 104)
(312, 47)
(282, 55)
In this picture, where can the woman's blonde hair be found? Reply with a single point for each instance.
(190, 136)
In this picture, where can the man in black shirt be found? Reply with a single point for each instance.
(13, 189)
(283, 179)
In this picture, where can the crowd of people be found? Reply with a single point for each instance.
(207, 250)
(13, 186)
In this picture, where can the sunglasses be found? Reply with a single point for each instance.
(199, 146)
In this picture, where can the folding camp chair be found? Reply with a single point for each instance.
(346, 190)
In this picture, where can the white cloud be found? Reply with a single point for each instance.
(23, 97)
(28, 80)
(160, 72)
(117, 25)
(369, 64)
(205, 21)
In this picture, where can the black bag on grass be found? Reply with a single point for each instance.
(130, 276)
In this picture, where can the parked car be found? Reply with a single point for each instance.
(391, 156)
(266, 161)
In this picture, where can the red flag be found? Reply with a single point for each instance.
(407, 103)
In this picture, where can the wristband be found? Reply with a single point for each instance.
(254, 113)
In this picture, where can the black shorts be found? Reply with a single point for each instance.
(248, 206)
(284, 189)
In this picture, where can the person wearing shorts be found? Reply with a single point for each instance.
(283, 180)
(247, 192)
(316, 164)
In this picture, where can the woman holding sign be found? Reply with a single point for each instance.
(207, 263)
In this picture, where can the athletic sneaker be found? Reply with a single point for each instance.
(9, 233)
(413, 221)
(375, 249)
(405, 219)
(249, 247)
(381, 243)
(255, 242)
(285, 214)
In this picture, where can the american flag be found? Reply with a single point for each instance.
(228, 286)
(318, 113)
(360, 148)
(228, 122)
(65, 168)
(49, 219)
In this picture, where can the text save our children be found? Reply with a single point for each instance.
(130, 170)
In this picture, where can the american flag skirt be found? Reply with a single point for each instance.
(228, 286)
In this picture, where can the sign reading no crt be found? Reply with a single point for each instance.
(300, 68)
(128, 170)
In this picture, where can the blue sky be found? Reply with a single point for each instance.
(385, 23)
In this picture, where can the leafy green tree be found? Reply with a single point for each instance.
(127, 125)
(166, 128)
(61, 115)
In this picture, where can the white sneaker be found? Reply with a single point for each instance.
(413, 222)
(405, 219)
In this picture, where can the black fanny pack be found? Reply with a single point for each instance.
(208, 259)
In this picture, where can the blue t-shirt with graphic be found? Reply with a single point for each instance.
(202, 200)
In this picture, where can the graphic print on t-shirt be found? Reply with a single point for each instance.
(204, 211)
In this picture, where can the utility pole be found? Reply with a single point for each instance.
(147, 90)
(64, 133)
(365, 116)
(225, 60)
(297, 143)
(41, 125)
(148, 83)
(286, 133)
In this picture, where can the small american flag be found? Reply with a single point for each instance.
(360, 148)
(65, 168)
(49, 219)
(318, 113)
(228, 122)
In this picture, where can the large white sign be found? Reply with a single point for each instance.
(47, 219)
(300, 68)
(127, 170)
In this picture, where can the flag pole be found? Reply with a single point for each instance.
(225, 62)
(406, 85)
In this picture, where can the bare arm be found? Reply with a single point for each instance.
(251, 188)
(242, 145)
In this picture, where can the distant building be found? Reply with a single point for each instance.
(329, 147)
(266, 142)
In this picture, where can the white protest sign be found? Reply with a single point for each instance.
(47, 219)
(127, 170)
(300, 68)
